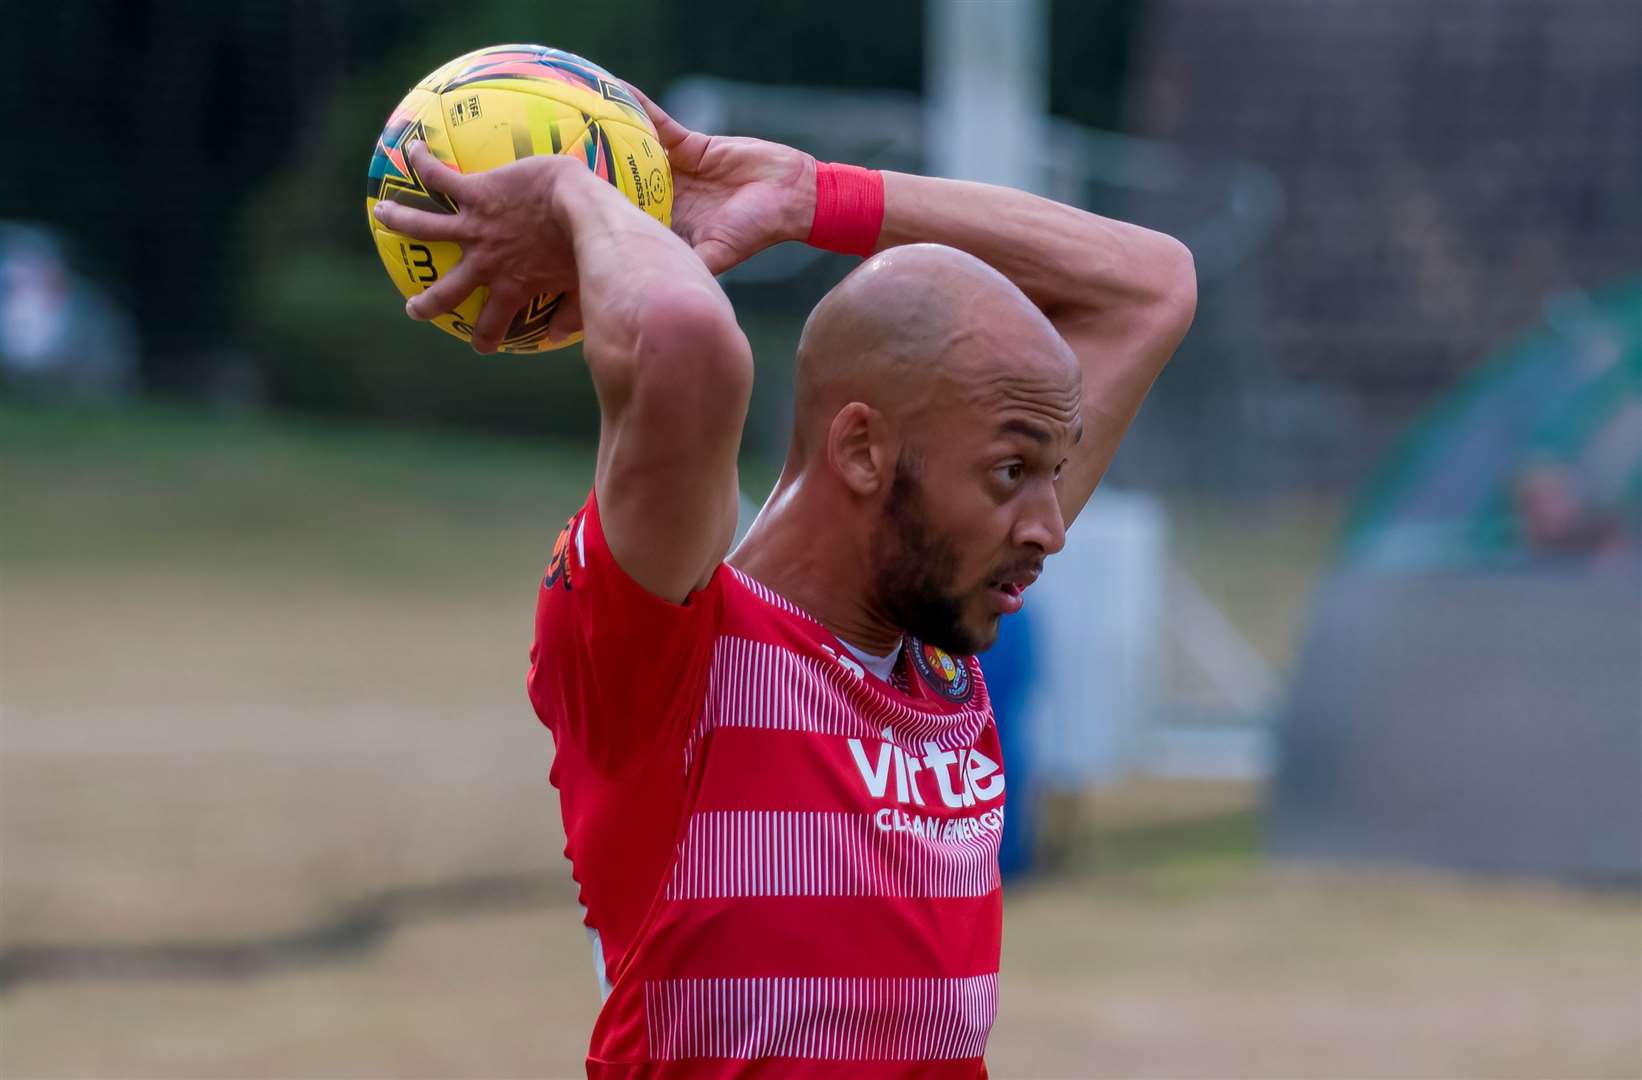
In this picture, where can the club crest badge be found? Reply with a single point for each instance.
(942, 672)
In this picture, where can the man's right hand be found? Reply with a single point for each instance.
(512, 236)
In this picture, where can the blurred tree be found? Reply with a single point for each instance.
(151, 123)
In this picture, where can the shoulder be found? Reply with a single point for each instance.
(582, 562)
(609, 654)
(594, 616)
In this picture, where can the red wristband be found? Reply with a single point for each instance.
(849, 209)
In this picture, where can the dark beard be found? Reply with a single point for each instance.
(915, 570)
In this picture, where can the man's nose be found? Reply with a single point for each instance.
(1042, 525)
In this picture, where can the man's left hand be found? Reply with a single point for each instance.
(733, 197)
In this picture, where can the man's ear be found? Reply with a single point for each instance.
(859, 448)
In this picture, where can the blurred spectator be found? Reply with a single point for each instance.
(1558, 516)
(1579, 488)
(59, 332)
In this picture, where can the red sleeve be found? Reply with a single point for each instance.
(616, 672)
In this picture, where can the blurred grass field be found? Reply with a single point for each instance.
(272, 803)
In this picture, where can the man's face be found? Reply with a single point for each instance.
(966, 527)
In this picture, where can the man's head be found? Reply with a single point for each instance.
(937, 404)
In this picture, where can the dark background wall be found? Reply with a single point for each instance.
(1445, 168)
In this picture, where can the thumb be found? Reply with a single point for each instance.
(684, 148)
(718, 256)
(566, 318)
(671, 131)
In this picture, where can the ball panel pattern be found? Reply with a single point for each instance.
(491, 107)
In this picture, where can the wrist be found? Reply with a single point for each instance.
(576, 197)
(799, 211)
(848, 213)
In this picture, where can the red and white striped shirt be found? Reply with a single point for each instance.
(791, 864)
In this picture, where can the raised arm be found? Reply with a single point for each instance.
(1122, 296)
(672, 369)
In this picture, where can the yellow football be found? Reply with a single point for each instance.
(491, 107)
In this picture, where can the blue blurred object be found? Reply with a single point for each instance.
(1008, 669)
(59, 332)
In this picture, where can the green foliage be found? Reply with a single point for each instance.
(334, 338)
(176, 489)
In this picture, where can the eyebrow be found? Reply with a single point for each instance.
(1032, 431)
(1022, 427)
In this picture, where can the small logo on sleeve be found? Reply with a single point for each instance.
(942, 672)
(558, 567)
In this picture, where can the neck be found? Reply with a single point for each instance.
(797, 547)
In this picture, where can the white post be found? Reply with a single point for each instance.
(1097, 642)
(987, 84)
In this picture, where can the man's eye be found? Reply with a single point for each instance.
(1012, 473)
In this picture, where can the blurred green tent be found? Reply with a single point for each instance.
(1469, 693)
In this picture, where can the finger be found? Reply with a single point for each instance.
(566, 318)
(421, 224)
(435, 174)
(493, 321)
(446, 294)
(670, 130)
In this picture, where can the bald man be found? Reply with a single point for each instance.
(779, 774)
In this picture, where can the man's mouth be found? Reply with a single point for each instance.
(1016, 583)
(1008, 589)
